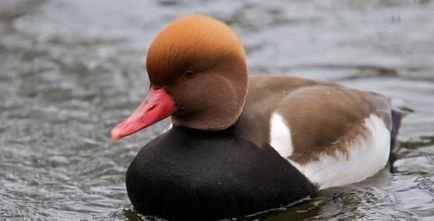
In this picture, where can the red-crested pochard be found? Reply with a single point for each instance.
(240, 145)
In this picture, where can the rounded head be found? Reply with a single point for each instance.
(200, 62)
(198, 73)
(193, 42)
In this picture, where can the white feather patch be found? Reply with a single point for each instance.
(280, 136)
(366, 157)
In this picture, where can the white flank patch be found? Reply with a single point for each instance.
(280, 136)
(365, 158)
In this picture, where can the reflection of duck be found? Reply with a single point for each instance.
(241, 145)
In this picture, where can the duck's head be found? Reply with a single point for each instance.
(198, 73)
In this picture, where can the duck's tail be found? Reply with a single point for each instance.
(399, 111)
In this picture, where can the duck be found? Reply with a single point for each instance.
(239, 145)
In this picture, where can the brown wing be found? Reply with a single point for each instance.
(264, 96)
(321, 115)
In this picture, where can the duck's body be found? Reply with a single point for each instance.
(238, 145)
(322, 128)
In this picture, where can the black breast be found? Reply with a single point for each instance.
(188, 174)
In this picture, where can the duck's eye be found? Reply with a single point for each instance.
(189, 74)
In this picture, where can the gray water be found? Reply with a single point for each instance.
(71, 70)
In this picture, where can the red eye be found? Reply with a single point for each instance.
(189, 74)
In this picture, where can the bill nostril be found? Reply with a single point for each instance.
(152, 107)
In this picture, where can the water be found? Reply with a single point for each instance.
(70, 70)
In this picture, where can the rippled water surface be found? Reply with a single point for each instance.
(70, 70)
